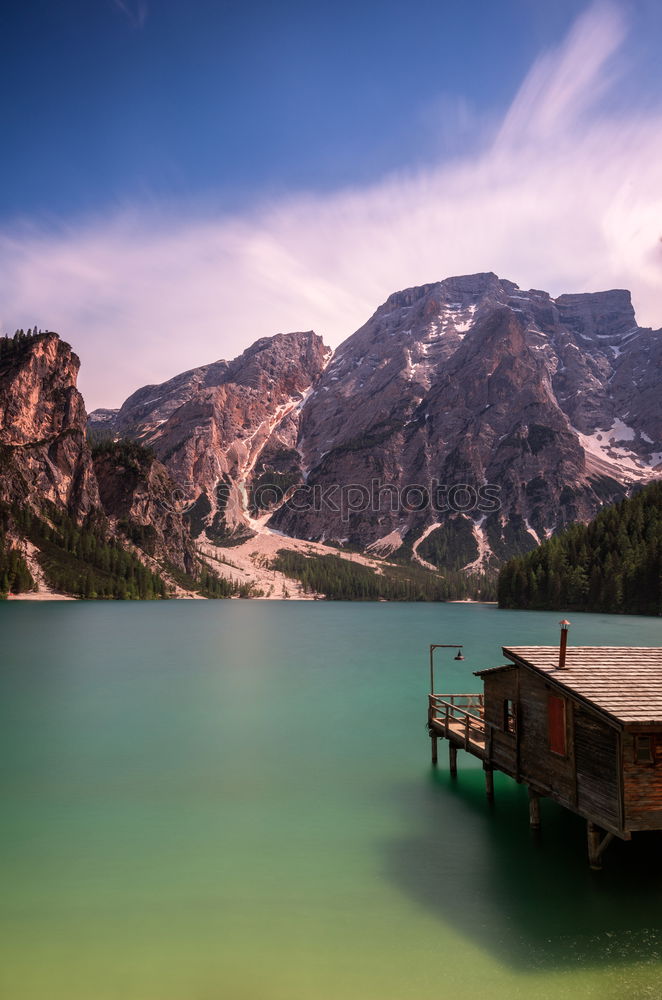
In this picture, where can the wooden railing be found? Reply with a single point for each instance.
(459, 714)
(467, 702)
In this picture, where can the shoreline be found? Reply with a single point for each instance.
(469, 600)
(40, 596)
(52, 596)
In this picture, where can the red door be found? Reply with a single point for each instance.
(556, 720)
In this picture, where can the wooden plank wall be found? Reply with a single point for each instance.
(598, 779)
(498, 688)
(642, 784)
(586, 778)
(538, 765)
(598, 776)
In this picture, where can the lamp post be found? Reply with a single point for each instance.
(442, 645)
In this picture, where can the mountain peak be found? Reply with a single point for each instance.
(606, 316)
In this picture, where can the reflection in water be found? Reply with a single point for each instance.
(528, 897)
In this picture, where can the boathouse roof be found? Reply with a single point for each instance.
(625, 682)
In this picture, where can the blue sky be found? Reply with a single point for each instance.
(232, 100)
(218, 137)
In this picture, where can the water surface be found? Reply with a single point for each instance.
(206, 800)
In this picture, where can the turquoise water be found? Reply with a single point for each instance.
(206, 800)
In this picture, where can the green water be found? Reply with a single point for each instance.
(210, 800)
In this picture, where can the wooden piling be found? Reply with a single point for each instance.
(489, 783)
(534, 810)
(452, 760)
(598, 840)
(593, 836)
(433, 742)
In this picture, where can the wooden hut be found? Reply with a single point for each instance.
(582, 727)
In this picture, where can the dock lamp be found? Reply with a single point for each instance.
(442, 645)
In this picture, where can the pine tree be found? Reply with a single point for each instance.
(613, 564)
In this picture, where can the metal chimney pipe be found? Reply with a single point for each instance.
(564, 642)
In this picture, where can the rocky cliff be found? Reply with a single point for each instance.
(59, 500)
(43, 450)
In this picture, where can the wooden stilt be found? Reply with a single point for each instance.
(452, 760)
(534, 810)
(598, 840)
(593, 846)
(433, 742)
(489, 783)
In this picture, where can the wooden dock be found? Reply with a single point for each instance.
(581, 726)
(460, 719)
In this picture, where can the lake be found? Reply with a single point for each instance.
(233, 799)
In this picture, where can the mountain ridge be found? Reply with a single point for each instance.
(463, 423)
(469, 380)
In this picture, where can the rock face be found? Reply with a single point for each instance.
(215, 427)
(473, 382)
(139, 498)
(45, 457)
(43, 451)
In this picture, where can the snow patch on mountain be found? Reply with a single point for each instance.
(421, 538)
(479, 564)
(388, 544)
(607, 447)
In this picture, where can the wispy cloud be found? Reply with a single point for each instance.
(135, 10)
(568, 197)
(563, 85)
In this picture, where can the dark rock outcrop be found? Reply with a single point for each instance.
(141, 501)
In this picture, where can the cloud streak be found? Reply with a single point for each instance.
(564, 85)
(567, 197)
(134, 10)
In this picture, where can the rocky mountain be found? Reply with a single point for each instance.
(472, 389)
(467, 420)
(218, 428)
(43, 449)
(96, 520)
(101, 424)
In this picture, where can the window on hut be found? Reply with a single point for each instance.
(556, 724)
(644, 748)
(509, 717)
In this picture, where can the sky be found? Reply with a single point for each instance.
(181, 178)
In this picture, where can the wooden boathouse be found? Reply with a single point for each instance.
(579, 725)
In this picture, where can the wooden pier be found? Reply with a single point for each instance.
(581, 726)
(460, 719)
